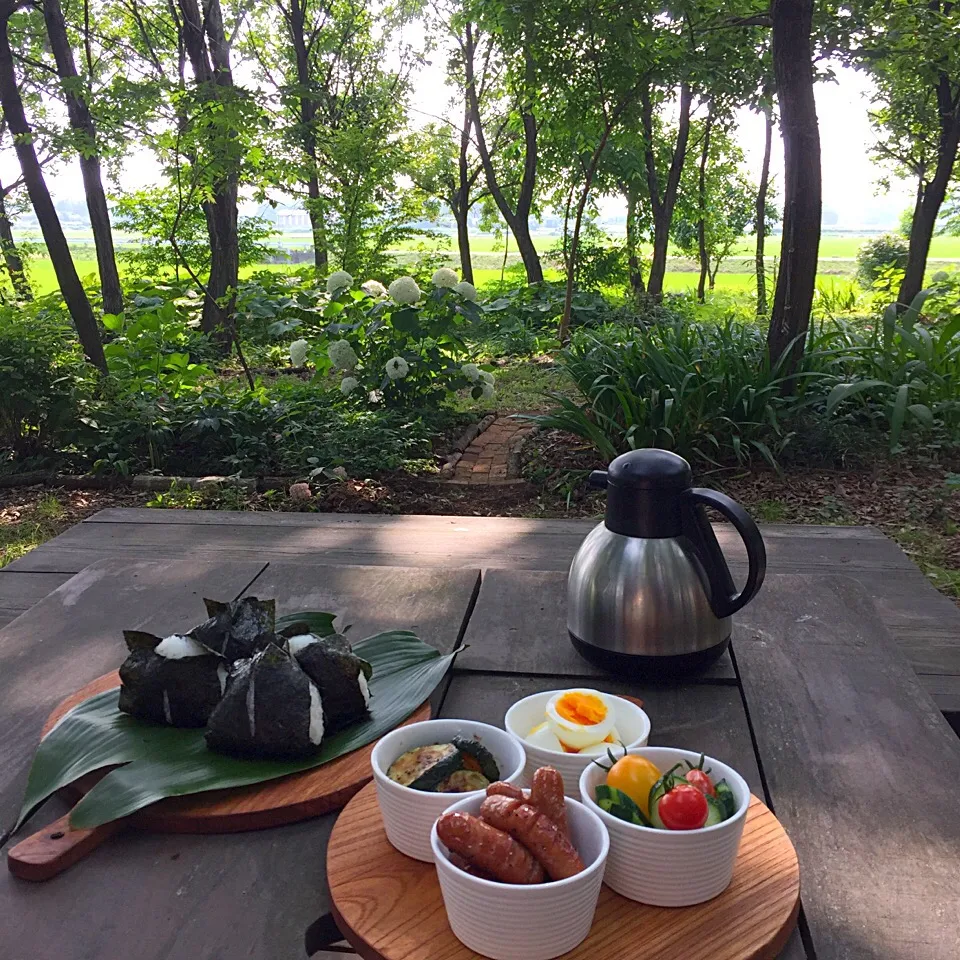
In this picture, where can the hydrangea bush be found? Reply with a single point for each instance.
(399, 345)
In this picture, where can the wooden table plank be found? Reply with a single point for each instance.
(163, 897)
(433, 603)
(20, 591)
(520, 626)
(860, 767)
(436, 541)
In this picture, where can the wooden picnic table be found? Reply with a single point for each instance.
(824, 712)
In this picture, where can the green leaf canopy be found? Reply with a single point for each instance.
(155, 762)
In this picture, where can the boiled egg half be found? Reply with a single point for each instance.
(580, 718)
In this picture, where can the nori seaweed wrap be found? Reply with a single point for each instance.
(270, 709)
(238, 629)
(340, 675)
(172, 680)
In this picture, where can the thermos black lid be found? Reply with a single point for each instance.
(643, 488)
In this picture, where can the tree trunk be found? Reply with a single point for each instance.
(209, 54)
(760, 217)
(295, 19)
(11, 256)
(793, 65)
(321, 254)
(928, 209)
(518, 220)
(702, 209)
(463, 244)
(661, 205)
(82, 122)
(70, 286)
(633, 256)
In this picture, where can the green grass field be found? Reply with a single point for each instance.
(487, 261)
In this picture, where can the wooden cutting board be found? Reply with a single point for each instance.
(258, 806)
(389, 907)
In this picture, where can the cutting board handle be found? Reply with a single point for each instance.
(54, 848)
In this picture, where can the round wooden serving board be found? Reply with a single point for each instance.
(288, 799)
(389, 907)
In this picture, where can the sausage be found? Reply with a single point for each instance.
(488, 849)
(547, 797)
(467, 867)
(503, 789)
(536, 831)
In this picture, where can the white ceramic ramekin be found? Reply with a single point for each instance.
(632, 724)
(537, 922)
(409, 814)
(671, 868)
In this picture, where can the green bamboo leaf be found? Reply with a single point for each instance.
(158, 762)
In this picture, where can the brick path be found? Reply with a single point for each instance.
(487, 460)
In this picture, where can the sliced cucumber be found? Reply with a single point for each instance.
(726, 798)
(619, 805)
(716, 812)
(655, 813)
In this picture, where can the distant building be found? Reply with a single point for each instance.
(293, 220)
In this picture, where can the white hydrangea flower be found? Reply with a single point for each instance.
(348, 385)
(298, 353)
(341, 355)
(471, 371)
(466, 290)
(487, 378)
(444, 277)
(338, 281)
(397, 368)
(374, 288)
(405, 290)
(487, 391)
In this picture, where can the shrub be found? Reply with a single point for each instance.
(878, 253)
(290, 429)
(703, 390)
(44, 379)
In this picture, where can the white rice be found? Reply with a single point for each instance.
(364, 688)
(297, 643)
(316, 715)
(250, 711)
(177, 647)
(222, 677)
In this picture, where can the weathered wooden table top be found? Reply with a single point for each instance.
(823, 707)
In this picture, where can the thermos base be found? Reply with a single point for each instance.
(641, 667)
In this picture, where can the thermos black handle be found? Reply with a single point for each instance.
(724, 600)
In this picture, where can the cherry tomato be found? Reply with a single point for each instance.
(701, 781)
(683, 808)
(634, 776)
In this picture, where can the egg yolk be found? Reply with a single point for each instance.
(582, 709)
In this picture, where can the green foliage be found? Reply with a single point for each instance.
(601, 262)
(896, 375)
(44, 380)
(705, 391)
(152, 213)
(878, 253)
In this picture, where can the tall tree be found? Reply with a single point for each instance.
(517, 38)
(442, 166)
(88, 150)
(206, 44)
(796, 282)
(912, 52)
(760, 208)
(70, 285)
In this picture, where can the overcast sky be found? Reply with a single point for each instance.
(849, 176)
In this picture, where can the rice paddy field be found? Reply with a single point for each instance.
(837, 259)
